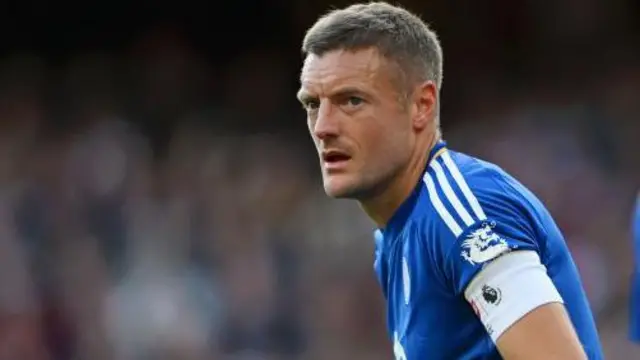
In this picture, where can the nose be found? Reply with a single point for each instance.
(326, 123)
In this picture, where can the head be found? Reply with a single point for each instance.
(370, 84)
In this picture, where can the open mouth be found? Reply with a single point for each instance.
(334, 159)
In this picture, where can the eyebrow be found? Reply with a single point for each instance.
(348, 91)
(304, 96)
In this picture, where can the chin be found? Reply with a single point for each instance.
(341, 187)
(335, 192)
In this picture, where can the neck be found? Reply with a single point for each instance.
(382, 207)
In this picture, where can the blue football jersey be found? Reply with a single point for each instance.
(634, 304)
(464, 214)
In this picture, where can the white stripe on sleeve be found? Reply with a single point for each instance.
(437, 204)
(462, 184)
(450, 194)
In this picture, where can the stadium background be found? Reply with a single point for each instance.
(160, 198)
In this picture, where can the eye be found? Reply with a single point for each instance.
(354, 101)
(311, 105)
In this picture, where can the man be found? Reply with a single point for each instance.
(634, 313)
(471, 264)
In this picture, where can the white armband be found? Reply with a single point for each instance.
(508, 289)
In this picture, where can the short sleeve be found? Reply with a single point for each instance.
(502, 224)
(488, 241)
(481, 244)
(634, 309)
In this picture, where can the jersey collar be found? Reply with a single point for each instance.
(402, 214)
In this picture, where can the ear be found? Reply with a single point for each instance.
(425, 105)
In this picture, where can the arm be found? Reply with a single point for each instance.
(522, 310)
(492, 235)
(544, 333)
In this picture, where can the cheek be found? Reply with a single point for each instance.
(390, 143)
(382, 132)
(310, 126)
(311, 133)
(374, 143)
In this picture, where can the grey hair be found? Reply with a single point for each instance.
(400, 36)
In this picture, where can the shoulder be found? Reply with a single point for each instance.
(467, 203)
(473, 213)
(461, 191)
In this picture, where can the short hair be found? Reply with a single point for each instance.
(399, 35)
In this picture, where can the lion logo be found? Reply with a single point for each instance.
(483, 245)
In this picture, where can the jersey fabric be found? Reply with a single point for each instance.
(634, 303)
(469, 253)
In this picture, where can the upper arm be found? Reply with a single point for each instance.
(522, 310)
(543, 333)
(507, 289)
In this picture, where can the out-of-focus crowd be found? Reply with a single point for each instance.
(136, 222)
(119, 240)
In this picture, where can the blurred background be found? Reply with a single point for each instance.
(160, 197)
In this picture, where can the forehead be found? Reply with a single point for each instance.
(338, 68)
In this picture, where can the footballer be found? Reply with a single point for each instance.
(471, 264)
